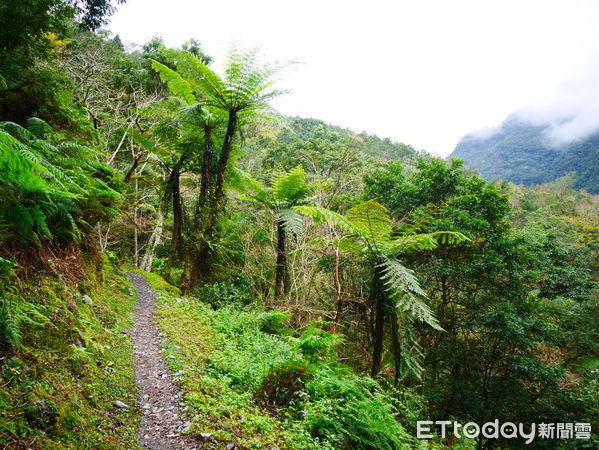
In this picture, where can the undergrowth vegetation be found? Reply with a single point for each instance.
(249, 382)
(72, 362)
(322, 288)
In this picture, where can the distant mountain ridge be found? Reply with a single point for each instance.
(520, 152)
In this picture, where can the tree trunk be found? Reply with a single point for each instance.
(378, 302)
(152, 243)
(396, 345)
(206, 179)
(339, 298)
(174, 186)
(200, 267)
(281, 274)
(135, 232)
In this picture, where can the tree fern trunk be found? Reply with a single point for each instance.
(207, 178)
(176, 241)
(378, 302)
(396, 345)
(200, 265)
(281, 274)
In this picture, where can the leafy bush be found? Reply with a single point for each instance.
(317, 344)
(273, 322)
(230, 292)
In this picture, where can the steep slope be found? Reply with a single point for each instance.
(521, 152)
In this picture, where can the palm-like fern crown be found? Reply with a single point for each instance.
(291, 188)
(368, 232)
(246, 85)
(287, 189)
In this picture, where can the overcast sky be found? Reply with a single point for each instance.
(420, 72)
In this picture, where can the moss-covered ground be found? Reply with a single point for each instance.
(58, 390)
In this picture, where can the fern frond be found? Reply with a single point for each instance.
(371, 220)
(292, 221)
(39, 128)
(403, 286)
(450, 237)
(201, 78)
(290, 187)
(177, 86)
(320, 214)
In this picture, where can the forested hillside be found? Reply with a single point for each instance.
(297, 285)
(524, 154)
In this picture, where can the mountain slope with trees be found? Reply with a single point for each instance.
(523, 154)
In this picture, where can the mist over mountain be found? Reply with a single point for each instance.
(525, 152)
(550, 137)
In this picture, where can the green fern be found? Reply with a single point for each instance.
(49, 191)
(179, 87)
(15, 311)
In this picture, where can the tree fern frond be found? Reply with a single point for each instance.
(200, 77)
(291, 187)
(371, 220)
(403, 286)
(292, 221)
(38, 127)
(413, 242)
(320, 214)
(176, 84)
(450, 237)
(17, 131)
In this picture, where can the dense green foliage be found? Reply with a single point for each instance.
(338, 287)
(50, 191)
(313, 401)
(521, 153)
(503, 284)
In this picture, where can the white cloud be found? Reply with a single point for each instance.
(572, 112)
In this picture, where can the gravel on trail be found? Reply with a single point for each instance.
(157, 395)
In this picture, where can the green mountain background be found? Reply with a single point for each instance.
(522, 153)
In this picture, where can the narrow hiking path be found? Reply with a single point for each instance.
(157, 394)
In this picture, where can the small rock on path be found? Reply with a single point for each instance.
(157, 395)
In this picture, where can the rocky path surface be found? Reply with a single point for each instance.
(157, 395)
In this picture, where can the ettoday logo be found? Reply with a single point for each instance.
(506, 430)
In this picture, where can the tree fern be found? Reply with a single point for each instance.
(367, 231)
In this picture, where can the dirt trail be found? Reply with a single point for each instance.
(157, 395)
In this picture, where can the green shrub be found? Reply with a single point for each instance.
(231, 292)
(351, 411)
(283, 385)
(273, 322)
(318, 344)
